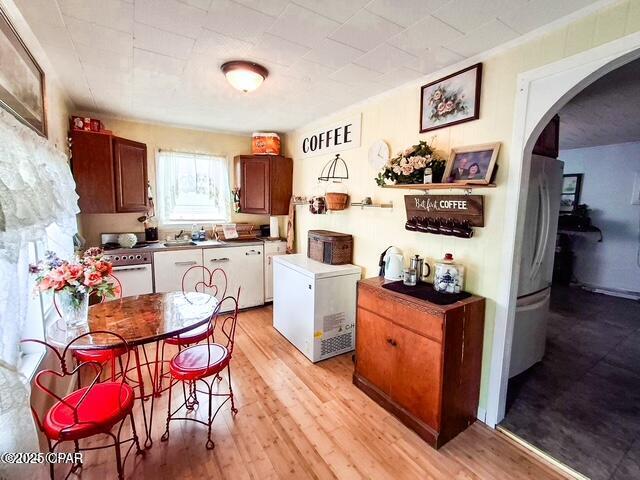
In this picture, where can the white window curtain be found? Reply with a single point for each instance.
(192, 188)
(36, 191)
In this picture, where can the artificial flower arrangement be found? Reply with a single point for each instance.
(408, 166)
(76, 280)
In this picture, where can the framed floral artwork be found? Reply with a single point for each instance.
(451, 100)
(22, 89)
(474, 164)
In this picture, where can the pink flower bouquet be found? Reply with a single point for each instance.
(77, 279)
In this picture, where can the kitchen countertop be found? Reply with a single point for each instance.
(160, 246)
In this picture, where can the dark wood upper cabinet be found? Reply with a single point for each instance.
(130, 168)
(548, 143)
(110, 173)
(265, 183)
(92, 165)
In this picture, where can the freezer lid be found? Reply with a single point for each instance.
(312, 269)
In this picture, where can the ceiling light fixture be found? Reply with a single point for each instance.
(245, 76)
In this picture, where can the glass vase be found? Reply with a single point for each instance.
(74, 309)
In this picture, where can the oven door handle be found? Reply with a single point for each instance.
(130, 268)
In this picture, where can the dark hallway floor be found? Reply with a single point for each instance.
(581, 404)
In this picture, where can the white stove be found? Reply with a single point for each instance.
(133, 267)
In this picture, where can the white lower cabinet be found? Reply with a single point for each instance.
(169, 269)
(271, 249)
(244, 266)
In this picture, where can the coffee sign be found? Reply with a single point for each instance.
(336, 137)
(455, 207)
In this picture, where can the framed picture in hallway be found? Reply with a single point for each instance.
(451, 100)
(22, 91)
(571, 186)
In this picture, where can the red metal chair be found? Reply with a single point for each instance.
(216, 281)
(196, 363)
(102, 356)
(111, 356)
(89, 411)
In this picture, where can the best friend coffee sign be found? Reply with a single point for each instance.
(454, 207)
(336, 137)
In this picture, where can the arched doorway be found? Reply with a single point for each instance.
(541, 94)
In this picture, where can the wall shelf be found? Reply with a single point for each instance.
(384, 206)
(441, 186)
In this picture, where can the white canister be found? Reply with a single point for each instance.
(449, 276)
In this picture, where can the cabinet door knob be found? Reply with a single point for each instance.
(391, 342)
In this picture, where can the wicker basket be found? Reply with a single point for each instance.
(328, 247)
(337, 201)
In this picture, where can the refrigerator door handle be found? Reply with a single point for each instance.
(542, 237)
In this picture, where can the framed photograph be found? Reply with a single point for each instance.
(571, 186)
(473, 164)
(451, 100)
(22, 89)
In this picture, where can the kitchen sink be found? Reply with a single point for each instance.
(179, 243)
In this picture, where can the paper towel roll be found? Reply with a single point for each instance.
(274, 227)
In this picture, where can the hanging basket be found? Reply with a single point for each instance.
(336, 201)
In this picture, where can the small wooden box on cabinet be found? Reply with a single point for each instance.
(110, 173)
(418, 360)
(265, 183)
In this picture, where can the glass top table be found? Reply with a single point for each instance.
(139, 319)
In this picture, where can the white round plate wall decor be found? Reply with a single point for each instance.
(378, 154)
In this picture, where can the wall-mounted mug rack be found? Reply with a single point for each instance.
(440, 226)
(453, 215)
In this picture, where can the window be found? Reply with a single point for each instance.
(192, 187)
(39, 307)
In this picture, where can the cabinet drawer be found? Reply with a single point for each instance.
(170, 267)
(401, 313)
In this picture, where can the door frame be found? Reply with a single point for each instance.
(540, 94)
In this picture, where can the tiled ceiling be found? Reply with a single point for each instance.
(159, 60)
(605, 113)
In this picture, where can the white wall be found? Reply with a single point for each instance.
(607, 185)
(394, 116)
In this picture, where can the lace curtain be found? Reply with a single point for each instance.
(36, 190)
(192, 188)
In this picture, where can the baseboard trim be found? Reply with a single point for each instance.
(542, 455)
(482, 415)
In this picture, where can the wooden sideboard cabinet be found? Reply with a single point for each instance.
(266, 183)
(110, 173)
(418, 360)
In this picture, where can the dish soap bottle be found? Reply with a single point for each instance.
(202, 234)
(194, 233)
(449, 276)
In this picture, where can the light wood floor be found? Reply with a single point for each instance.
(297, 420)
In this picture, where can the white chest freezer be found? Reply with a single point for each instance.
(314, 305)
